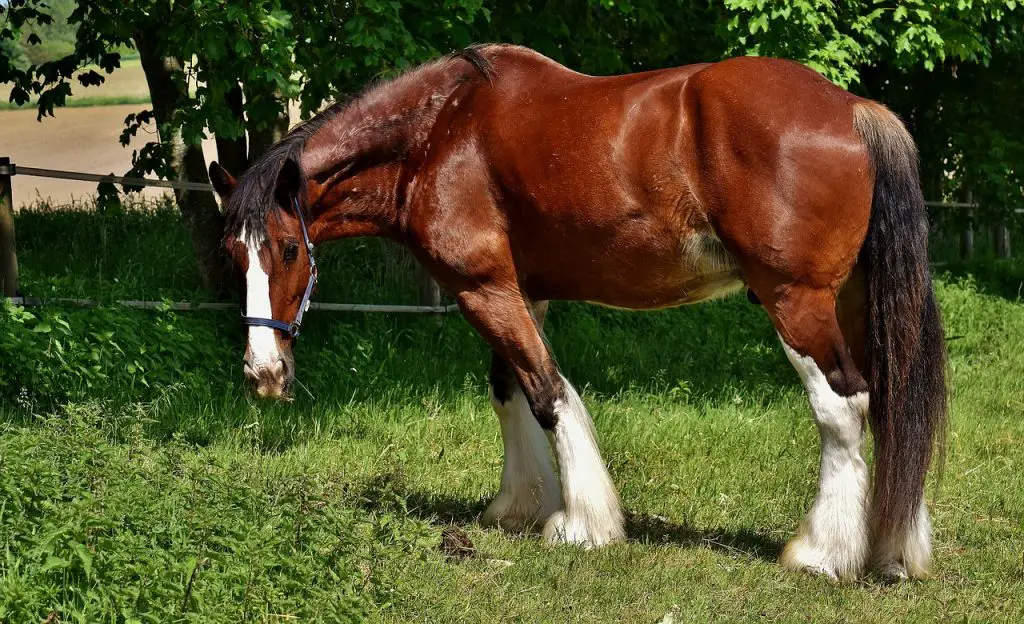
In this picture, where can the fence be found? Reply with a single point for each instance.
(968, 228)
(430, 292)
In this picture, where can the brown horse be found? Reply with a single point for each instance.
(515, 181)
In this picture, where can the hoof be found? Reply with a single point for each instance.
(564, 529)
(800, 555)
(892, 571)
(518, 514)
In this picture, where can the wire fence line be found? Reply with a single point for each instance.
(113, 179)
(183, 306)
(970, 205)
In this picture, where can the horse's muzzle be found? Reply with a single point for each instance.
(273, 380)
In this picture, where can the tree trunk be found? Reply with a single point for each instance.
(233, 154)
(429, 290)
(202, 218)
(967, 236)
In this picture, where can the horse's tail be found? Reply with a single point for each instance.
(906, 349)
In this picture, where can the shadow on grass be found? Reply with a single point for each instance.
(383, 364)
(650, 529)
(388, 493)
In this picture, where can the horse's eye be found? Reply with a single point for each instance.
(291, 252)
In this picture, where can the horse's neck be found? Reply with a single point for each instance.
(364, 204)
(354, 161)
(385, 124)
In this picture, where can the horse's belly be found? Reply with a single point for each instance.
(639, 277)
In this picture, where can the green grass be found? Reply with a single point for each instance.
(167, 494)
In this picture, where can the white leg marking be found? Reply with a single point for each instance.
(263, 350)
(591, 514)
(833, 538)
(529, 491)
(906, 555)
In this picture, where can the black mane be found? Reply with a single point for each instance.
(252, 199)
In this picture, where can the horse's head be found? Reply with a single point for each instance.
(277, 274)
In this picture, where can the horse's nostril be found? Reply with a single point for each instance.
(249, 372)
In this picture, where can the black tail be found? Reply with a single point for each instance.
(906, 348)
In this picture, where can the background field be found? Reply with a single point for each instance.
(139, 483)
(82, 137)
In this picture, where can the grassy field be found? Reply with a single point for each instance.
(138, 482)
(126, 85)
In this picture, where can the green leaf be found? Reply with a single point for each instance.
(53, 562)
(85, 557)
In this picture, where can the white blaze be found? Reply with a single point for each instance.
(262, 342)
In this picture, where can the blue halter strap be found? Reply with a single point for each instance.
(292, 329)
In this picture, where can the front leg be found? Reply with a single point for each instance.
(589, 513)
(530, 491)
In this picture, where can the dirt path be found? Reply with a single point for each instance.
(77, 139)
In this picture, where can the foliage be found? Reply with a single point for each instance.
(11, 50)
(948, 67)
(53, 354)
(55, 40)
(838, 38)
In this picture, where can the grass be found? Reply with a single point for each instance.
(169, 495)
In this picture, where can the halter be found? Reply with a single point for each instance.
(292, 329)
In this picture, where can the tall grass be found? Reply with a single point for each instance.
(139, 482)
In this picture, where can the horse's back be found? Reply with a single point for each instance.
(623, 189)
(576, 153)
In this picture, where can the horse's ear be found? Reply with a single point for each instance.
(288, 182)
(223, 182)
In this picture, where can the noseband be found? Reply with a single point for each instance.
(292, 329)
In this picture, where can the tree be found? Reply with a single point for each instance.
(229, 67)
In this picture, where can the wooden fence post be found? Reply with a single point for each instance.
(8, 257)
(1001, 237)
(967, 236)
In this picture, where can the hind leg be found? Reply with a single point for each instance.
(833, 538)
(906, 553)
(529, 492)
(895, 553)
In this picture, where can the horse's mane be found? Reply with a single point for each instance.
(252, 199)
